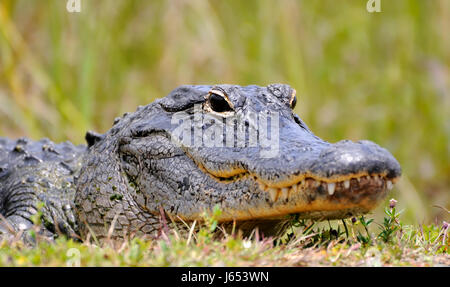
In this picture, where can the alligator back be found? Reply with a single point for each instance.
(38, 171)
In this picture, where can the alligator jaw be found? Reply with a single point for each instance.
(334, 186)
(309, 198)
(319, 200)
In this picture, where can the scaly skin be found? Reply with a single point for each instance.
(33, 172)
(137, 171)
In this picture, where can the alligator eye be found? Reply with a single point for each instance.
(218, 103)
(294, 102)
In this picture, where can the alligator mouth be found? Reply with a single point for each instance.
(286, 189)
(334, 186)
(314, 197)
(306, 194)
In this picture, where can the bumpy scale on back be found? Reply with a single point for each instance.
(35, 172)
(137, 169)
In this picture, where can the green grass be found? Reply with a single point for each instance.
(383, 77)
(357, 243)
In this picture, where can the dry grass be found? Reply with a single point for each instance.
(383, 77)
(307, 244)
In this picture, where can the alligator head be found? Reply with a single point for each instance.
(241, 148)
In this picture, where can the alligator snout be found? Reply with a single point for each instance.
(331, 180)
(328, 163)
(361, 158)
(307, 156)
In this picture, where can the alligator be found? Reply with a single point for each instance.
(172, 161)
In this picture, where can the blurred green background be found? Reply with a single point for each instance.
(379, 76)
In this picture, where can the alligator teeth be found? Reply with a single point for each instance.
(294, 188)
(347, 184)
(284, 193)
(301, 185)
(273, 192)
(331, 187)
(389, 185)
(377, 180)
(263, 186)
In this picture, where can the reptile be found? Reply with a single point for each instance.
(171, 161)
